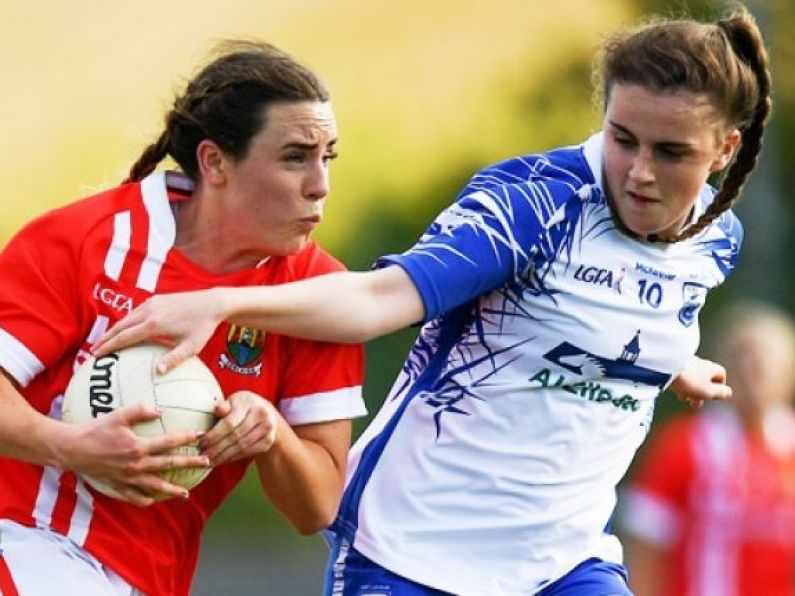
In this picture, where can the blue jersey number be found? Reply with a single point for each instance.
(650, 293)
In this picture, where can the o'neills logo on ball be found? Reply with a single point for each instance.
(100, 396)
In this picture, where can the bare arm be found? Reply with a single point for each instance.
(25, 433)
(305, 472)
(301, 469)
(106, 448)
(342, 307)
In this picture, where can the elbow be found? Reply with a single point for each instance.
(365, 333)
(315, 521)
(380, 323)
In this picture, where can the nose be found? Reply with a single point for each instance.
(316, 183)
(641, 169)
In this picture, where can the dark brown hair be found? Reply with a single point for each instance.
(726, 61)
(225, 102)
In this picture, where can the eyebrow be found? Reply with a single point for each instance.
(307, 146)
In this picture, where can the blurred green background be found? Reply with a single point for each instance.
(425, 92)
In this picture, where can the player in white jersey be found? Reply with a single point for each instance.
(560, 295)
(253, 135)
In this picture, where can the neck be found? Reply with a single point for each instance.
(203, 238)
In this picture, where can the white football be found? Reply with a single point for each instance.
(187, 396)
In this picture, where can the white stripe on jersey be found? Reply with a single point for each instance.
(162, 229)
(49, 485)
(318, 407)
(47, 496)
(119, 246)
(81, 518)
(17, 360)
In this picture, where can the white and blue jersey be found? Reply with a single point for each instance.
(492, 465)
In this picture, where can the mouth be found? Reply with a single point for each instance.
(309, 223)
(641, 199)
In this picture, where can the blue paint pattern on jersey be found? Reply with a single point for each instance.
(527, 384)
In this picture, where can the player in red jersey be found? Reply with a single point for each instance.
(253, 135)
(712, 510)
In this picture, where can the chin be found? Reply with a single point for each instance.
(293, 248)
(646, 228)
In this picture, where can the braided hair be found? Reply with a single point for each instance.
(726, 61)
(225, 102)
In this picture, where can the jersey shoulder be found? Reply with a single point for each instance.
(565, 166)
(71, 223)
(727, 224)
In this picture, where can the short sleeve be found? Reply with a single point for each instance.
(487, 238)
(322, 382)
(38, 317)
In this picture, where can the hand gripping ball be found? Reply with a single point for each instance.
(187, 396)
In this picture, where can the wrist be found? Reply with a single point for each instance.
(222, 303)
(57, 439)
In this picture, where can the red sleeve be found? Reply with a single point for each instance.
(322, 380)
(38, 296)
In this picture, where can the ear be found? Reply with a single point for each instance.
(726, 151)
(211, 161)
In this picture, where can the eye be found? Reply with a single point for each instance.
(624, 141)
(295, 157)
(328, 157)
(670, 153)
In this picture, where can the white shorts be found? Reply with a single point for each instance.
(40, 562)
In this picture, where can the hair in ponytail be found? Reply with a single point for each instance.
(726, 61)
(225, 102)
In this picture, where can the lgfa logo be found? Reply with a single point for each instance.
(244, 347)
(112, 298)
(600, 277)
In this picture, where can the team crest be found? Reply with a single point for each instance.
(693, 295)
(244, 347)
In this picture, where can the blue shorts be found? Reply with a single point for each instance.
(349, 573)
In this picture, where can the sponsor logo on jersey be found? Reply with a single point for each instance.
(590, 390)
(600, 277)
(244, 347)
(585, 363)
(651, 271)
(114, 299)
(693, 295)
(592, 366)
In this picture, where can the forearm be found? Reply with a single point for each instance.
(25, 433)
(302, 479)
(344, 307)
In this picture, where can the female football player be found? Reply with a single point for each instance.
(253, 135)
(560, 294)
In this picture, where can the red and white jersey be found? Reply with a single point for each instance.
(721, 504)
(67, 277)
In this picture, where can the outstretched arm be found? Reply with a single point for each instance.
(341, 307)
